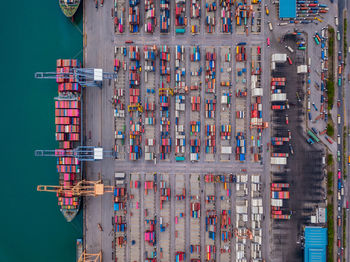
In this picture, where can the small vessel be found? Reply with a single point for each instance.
(79, 248)
(69, 7)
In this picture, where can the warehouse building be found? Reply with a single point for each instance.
(287, 9)
(315, 244)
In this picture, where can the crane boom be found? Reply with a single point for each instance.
(83, 188)
(85, 257)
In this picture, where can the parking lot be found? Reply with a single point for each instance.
(303, 174)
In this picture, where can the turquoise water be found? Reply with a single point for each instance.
(34, 35)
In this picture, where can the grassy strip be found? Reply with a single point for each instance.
(330, 224)
(330, 183)
(344, 228)
(344, 37)
(330, 219)
(329, 159)
(330, 80)
(330, 91)
(344, 151)
(330, 129)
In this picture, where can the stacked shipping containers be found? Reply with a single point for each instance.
(150, 53)
(226, 15)
(195, 16)
(210, 7)
(164, 99)
(134, 16)
(279, 194)
(164, 16)
(180, 78)
(67, 120)
(136, 127)
(195, 124)
(119, 220)
(150, 16)
(119, 16)
(180, 17)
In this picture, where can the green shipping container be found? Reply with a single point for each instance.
(180, 30)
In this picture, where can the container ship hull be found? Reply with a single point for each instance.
(69, 7)
(68, 135)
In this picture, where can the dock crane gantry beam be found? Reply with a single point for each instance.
(82, 153)
(87, 77)
(83, 188)
(85, 257)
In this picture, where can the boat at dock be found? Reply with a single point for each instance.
(69, 7)
(68, 135)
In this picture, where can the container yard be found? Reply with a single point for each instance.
(195, 93)
(135, 218)
(211, 218)
(135, 107)
(150, 56)
(150, 16)
(256, 117)
(195, 15)
(226, 15)
(120, 67)
(164, 16)
(256, 17)
(242, 232)
(243, 16)
(119, 16)
(180, 103)
(180, 17)
(210, 15)
(257, 214)
(225, 103)
(174, 127)
(165, 223)
(241, 102)
(180, 217)
(150, 218)
(165, 94)
(224, 188)
(210, 104)
(134, 16)
(195, 218)
(120, 216)
(227, 230)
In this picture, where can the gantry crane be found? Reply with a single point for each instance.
(82, 153)
(135, 107)
(83, 188)
(85, 257)
(86, 77)
(247, 235)
(166, 91)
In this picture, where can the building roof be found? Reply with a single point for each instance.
(315, 244)
(288, 9)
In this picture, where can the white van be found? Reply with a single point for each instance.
(270, 26)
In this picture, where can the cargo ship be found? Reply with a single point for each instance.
(68, 134)
(69, 7)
